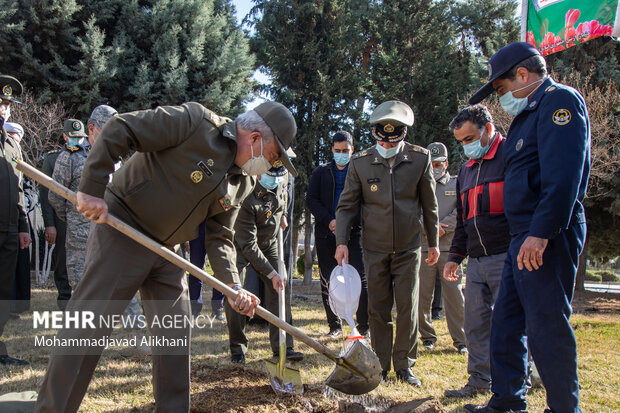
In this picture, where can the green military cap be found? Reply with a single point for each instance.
(10, 88)
(439, 152)
(74, 129)
(282, 123)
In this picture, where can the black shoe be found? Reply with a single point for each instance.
(407, 376)
(466, 391)
(8, 360)
(462, 349)
(237, 358)
(486, 409)
(429, 344)
(291, 355)
(334, 332)
(436, 315)
(384, 374)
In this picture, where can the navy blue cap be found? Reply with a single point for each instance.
(500, 63)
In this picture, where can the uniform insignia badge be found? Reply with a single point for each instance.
(277, 164)
(561, 117)
(210, 162)
(435, 150)
(388, 128)
(406, 157)
(76, 125)
(205, 168)
(7, 90)
(374, 188)
(364, 152)
(225, 203)
(269, 214)
(533, 104)
(519, 145)
(450, 193)
(376, 159)
(196, 176)
(550, 89)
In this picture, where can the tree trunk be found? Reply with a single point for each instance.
(307, 248)
(581, 269)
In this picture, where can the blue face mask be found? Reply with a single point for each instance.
(390, 153)
(75, 141)
(269, 182)
(512, 105)
(475, 150)
(342, 159)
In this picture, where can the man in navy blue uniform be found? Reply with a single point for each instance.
(547, 161)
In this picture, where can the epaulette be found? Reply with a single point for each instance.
(550, 89)
(361, 154)
(420, 149)
(216, 119)
(73, 148)
(52, 151)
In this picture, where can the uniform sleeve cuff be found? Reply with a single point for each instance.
(456, 258)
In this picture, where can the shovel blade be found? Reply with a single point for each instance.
(359, 371)
(287, 382)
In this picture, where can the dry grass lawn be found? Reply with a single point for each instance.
(122, 381)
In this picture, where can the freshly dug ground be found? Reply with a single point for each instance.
(238, 389)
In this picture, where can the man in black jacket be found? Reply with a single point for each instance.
(481, 234)
(326, 185)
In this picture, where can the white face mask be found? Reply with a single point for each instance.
(256, 165)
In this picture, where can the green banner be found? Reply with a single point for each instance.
(554, 25)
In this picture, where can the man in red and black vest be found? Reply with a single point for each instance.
(481, 234)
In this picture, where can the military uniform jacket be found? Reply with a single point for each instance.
(182, 173)
(12, 211)
(256, 227)
(547, 161)
(49, 160)
(67, 172)
(445, 192)
(392, 199)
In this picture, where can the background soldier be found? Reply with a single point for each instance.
(55, 231)
(256, 241)
(67, 172)
(393, 182)
(453, 296)
(13, 226)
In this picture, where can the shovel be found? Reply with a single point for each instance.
(283, 379)
(356, 372)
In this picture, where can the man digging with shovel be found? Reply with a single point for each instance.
(190, 164)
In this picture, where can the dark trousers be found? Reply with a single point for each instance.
(20, 299)
(61, 276)
(325, 250)
(197, 255)
(236, 322)
(9, 247)
(533, 307)
(116, 268)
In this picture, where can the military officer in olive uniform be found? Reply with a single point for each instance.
(14, 233)
(190, 165)
(256, 241)
(394, 184)
(67, 172)
(55, 232)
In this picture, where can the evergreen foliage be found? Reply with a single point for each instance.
(133, 54)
